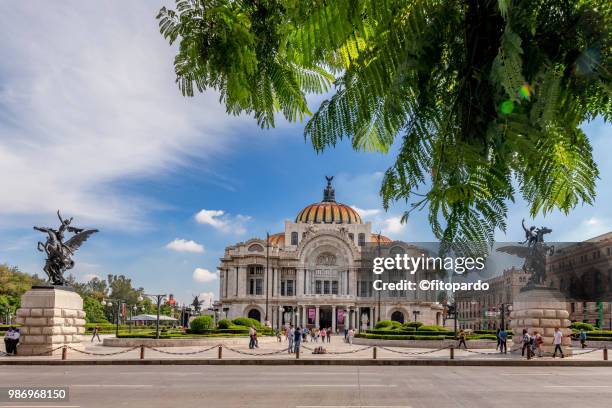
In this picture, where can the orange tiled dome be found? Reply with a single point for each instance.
(383, 239)
(277, 239)
(328, 211)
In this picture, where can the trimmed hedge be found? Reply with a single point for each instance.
(410, 332)
(583, 326)
(246, 322)
(401, 337)
(433, 328)
(224, 324)
(202, 324)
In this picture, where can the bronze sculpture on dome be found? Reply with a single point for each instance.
(60, 252)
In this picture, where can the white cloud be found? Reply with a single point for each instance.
(206, 297)
(182, 245)
(393, 225)
(221, 221)
(83, 109)
(90, 276)
(366, 213)
(203, 275)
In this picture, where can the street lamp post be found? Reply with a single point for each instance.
(416, 313)
(111, 302)
(267, 275)
(159, 299)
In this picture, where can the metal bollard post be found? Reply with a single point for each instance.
(142, 349)
(374, 352)
(605, 353)
(452, 352)
(220, 356)
(297, 353)
(64, 353)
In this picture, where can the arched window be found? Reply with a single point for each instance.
(294, 238)
(397, 316)
(254, 314)
(361, 239)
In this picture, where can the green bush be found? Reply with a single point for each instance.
(202, 324)
(412, 325)
(401, 337)
(481, 337)
(583, 326)
(224, 324)
(433, 328)
(384, 324)
(246, 322)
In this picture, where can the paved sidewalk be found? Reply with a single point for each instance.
(270, 349)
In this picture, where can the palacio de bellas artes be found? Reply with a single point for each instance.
(317, 276)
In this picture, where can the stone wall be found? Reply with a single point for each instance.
(50, 318)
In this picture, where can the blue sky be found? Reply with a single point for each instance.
(92, 123)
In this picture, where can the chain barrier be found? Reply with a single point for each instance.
(339, 352)
(186, 353)
(284, 350)
(413, 353)
(102, 354)
(44, 353)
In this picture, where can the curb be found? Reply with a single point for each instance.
(313, 362)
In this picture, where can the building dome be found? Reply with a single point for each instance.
(328, 211)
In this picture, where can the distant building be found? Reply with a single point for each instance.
(583, 272)
(316, 274)
(481, 310)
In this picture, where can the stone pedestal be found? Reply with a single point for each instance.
(541, 309)
(50, 317)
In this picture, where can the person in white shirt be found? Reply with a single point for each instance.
(557, 340)
(8, 340)
(351, 334)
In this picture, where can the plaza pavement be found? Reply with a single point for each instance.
(317, 386)
(237, 348)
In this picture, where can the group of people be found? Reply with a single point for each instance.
(294, 338)
(11, 339)
(532, 344)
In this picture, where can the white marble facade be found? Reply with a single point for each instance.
(315, 275)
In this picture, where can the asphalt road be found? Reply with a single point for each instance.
(320, 387)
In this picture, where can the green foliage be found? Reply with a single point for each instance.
(432, 73)
(414, 325)
(582, 326)
(13, 284)
(390, 324)
(224, 324)
(246, 322)
(94, 311)
(432, 328)
(402, 337)
(201, 324)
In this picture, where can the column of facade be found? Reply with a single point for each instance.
(304, 317)
(317, 316)
(371, 318)
(358, 318)
(333, 319)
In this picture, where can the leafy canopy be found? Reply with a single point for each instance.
(486, 96)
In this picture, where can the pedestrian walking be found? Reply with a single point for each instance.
(329, 334)
(297, 340)
(323, 334)
(351, 334)
(503, 341)
(462, 339)
(526, 344)
(95, 334)
(557, 340)
(583, 338)
(252, 332)
(291, 333)
(538, 341)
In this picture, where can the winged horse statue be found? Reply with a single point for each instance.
(60, 252)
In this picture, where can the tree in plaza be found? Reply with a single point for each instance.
(486, 96)
(13, 284)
